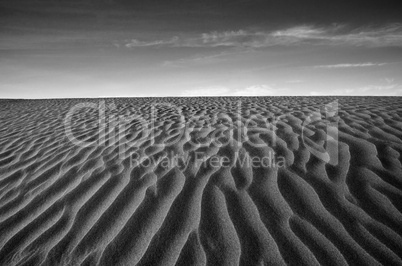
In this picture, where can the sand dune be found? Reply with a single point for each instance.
(168, 181)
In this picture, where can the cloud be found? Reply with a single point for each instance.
(369, 64)
(255, 90)
(387, 88)
(137, 43)
(300, 32)
(382, 90)
(389, 80)
(212, 39)
(385, 36)
(240, 38)
(207, 91)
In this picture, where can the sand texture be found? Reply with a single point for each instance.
(116, 196)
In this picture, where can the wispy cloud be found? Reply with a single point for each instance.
(369, 64)
(213, 39)
(255, 90)
(385, 36)
(387, 87)
(136, 43)
(207, 91)
(381, 90)
(379, 36)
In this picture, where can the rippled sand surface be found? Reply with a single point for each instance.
(116, 195)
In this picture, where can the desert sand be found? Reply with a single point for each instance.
(141, 181)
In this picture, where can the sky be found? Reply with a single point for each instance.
(122, 48)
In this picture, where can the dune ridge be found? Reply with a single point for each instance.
(141, 184)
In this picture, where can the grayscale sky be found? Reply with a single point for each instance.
(117, 48)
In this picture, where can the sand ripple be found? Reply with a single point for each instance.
(63, 204)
